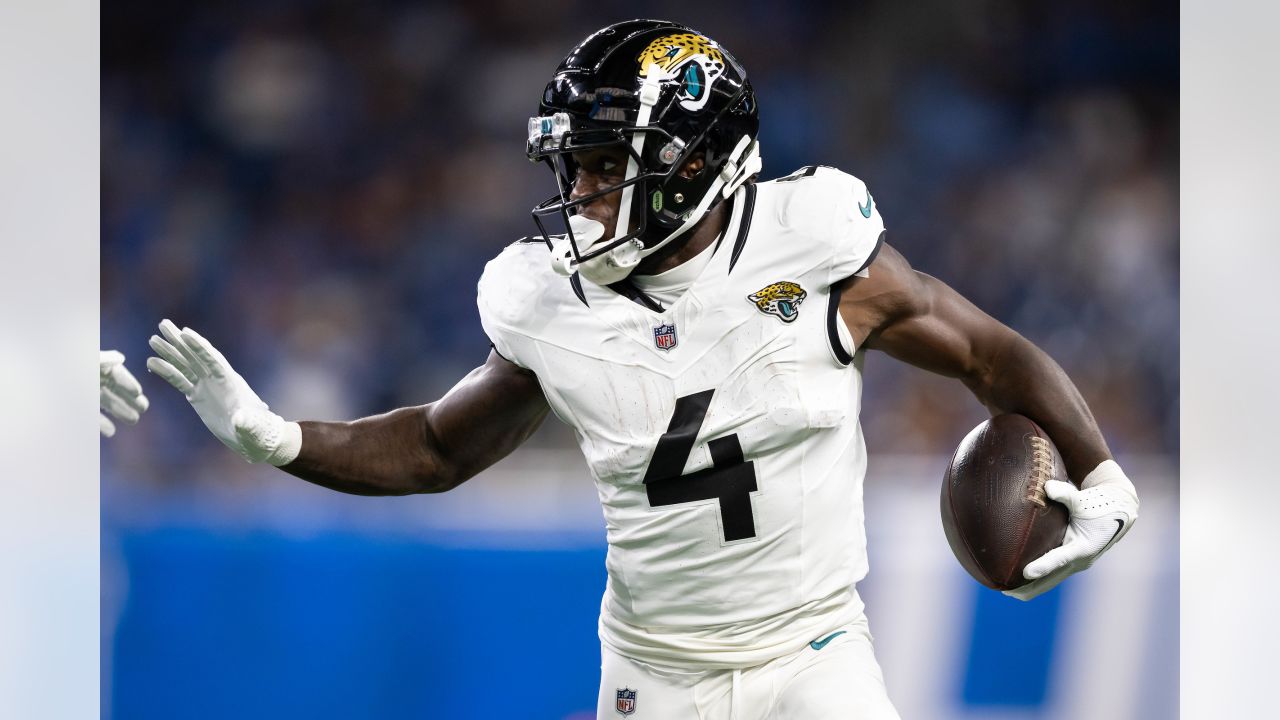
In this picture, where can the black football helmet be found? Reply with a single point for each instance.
(663, 92)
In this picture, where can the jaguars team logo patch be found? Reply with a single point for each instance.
(781, 299)
(664, 337)
(626, 703)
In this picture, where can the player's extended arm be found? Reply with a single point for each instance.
(430, 448)
(920, 320)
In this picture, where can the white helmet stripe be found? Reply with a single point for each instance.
(649, 93)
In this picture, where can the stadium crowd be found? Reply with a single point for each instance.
(316, 187)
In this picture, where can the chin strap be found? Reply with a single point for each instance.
(743, 162)
(739, 172)
(605, 269)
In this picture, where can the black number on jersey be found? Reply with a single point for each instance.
(731, 480)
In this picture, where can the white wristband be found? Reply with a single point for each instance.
(289, 447)
(263, 436)
(1108, 472)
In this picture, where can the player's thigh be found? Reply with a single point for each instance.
(632, 690)
(842, 681)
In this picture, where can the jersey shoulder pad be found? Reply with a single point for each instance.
(513, 292)
(837, 210)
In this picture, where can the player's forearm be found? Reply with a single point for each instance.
(1022, 378)
(389, 454)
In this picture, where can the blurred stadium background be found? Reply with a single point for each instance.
(316, 186)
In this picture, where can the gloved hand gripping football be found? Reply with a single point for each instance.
(1102, 511)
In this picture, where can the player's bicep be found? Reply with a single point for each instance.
(921, 320)
(489, 413)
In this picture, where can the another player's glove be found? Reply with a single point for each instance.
(1102, 511)
(119, 393)
(223, 400)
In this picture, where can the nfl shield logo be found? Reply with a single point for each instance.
(626, 702)
(664, 336)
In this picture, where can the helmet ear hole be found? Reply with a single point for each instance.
(694, 166)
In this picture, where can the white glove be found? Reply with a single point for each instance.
(223, 400)
(118, 393)
(1102, 511)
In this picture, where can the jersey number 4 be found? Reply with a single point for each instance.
(731, 480)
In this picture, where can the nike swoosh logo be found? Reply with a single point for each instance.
(819, 644)
(866, 209)
(1116, 536)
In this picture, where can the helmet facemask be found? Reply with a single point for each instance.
(581, 241)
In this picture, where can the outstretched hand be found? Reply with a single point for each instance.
(119, 393)
(226, 404)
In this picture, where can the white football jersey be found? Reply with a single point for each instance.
(722, 431)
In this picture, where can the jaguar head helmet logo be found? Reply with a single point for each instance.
(693, 60)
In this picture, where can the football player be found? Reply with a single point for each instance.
(119, 393)
(702, 332)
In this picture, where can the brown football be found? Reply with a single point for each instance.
(994, 510)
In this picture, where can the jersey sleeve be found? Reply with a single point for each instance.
(507, 296)
(839, 231)
(857, 230)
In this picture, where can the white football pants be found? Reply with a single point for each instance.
(839, 681)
